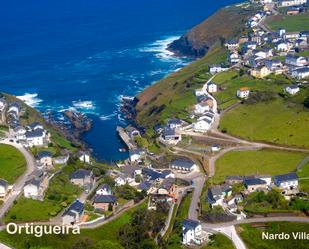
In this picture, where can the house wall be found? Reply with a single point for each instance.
(31, 191)
(253, 188)
(46, 161)
(3, 192)
(101, 206)
(67, 220)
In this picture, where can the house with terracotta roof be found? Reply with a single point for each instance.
(243, 93)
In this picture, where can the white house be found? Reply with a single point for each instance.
(200, 92)
(104, 189)
(216, 69)
(136, 155)
(286, 181)
(61, 159)
(35, 126)
(45, 158)
(263, 54)
(183, 165)
(35, 137)
(170, 136)
(119, 181)
(301, 73)
(191, 232)
(19, 132)
(288, 3)
(202, 125)
(175, 123)
(281, 32)
(215, 196)
(73, 214)
(234, 58)
(201, 108)
(282, 46)
(84, 157)
(3, 188)
(266, 1)
(14, 108)
(232, 44)
(32, 188)
(297, 61)
(2, 104)
(212, 87)
(292, 89)
(215, 148)
(243, 92)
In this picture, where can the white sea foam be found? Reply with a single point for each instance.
(107, 117)
(30, 99)
(160, 48)
(83, 105)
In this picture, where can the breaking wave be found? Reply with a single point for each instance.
(30, 99)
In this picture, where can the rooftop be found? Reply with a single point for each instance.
(254, 181)
(286, 177)
(104, 199)
(184, 163)
(80, 173)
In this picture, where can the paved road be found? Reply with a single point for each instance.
(231, 233)
(99, 223)
(19, 184)
(256, 220)
(228, 228)
(3, 246)
(197, 184)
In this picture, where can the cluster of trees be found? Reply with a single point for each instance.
(129, 193)
(262, 96)
(299, 204)
(266, 201)
(142, 229)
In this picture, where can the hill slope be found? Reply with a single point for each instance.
(224, 24)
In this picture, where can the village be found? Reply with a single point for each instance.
(167, 181)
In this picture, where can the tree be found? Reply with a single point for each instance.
(306, 102)
(141, 142)
(83, 243)
(103, 244)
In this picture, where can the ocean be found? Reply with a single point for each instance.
(86, 55)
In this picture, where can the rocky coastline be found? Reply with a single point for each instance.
(74, 125)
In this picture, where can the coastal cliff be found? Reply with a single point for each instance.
(224, 24)
(171, 96)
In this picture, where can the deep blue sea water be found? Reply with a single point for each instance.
(86, 54)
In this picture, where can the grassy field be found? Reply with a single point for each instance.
(12, 163)
(59, 194)
(171, 96)
(264, 162)
(304, 173)
(252, 235)
(290, 23)
(174, 95)
(174, 242)
(105, 236)
(274, 122)
(219, 241)
(230, 81)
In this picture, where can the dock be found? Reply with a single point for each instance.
(125, 138)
